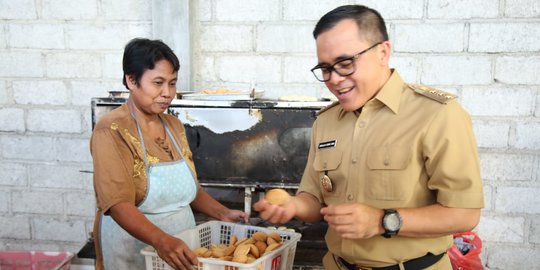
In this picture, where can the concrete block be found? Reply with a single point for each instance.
(285, 38)
(40, 36)
(21, 64)
(311, 10)
(491, 134)
(522, 9)
(27, 147)
(96, 37)
(502, 229)
(59, 230)
(249, 68)
(15, 227)
(275, 91)
(33, 244)
(405, 9)
(37, 202)
(421, 37)
(73, 65)
(507, 167)
(139, 29)
(534, 232)
(55, 176)
(54, 121)
(204, 10)
(17, 175)
(517, 256)
(3, 37)
(537, 110)
(80, 204)
(504, 37)
(458, 70)
(462, 9)
(112, 66)
(18, 10)
(297, 69)
(488, 197)
(517, 200)
(517, 70)
(12, 120)
(406, 66)
(498, 101)
(207, 71)
(226, 38)
(5, 198)
(240, 11)
(69, 9)
(527, 136)
(82, 92)
(73, 150)
(139, 10)
(4, 95)
(51, 92)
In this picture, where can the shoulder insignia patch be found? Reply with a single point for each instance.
(328, 107)
(432, 93)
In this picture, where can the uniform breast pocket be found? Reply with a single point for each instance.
(329, 162)
(387, 175)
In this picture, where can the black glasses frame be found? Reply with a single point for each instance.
(332, 67)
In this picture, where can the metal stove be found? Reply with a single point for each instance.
(242, 148)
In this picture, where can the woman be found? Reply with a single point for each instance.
(144, 176)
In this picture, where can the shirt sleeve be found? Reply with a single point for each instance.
(113, 169)
(451, 159)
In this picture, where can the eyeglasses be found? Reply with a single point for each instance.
(344, 67)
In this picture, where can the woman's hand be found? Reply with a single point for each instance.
(175, 252)
(234, 215)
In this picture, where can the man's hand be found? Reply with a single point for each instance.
(354, 221)
(278, 214)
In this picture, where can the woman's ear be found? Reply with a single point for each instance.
(130, 81)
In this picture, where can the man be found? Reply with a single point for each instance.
(393, 168)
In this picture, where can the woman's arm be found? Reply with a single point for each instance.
(206, 204)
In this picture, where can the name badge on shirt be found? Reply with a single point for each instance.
(327, 144)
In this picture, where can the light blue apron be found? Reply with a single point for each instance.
(171, 187)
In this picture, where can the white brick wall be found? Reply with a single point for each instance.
(48, 92)
(57, 54)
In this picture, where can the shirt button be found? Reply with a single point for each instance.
(386, 162)
(354, 161)
(350, 197)
(362, 124)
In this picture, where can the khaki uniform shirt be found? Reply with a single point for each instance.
(119, 171)
(411, 146)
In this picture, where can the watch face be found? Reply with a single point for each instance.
(392, 222)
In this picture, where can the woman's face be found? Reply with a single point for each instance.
(156, 89)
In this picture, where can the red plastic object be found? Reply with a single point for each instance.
(471, 260)
(35, 260)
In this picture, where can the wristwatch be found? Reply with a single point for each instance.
(391, 223)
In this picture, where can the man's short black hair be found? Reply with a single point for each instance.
(370, 23)
(141, 54)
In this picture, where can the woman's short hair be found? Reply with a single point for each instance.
(141, 54)
(370, 23)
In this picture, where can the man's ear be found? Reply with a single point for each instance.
(384, 52)
(131, 82)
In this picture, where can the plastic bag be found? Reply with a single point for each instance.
(465, 253)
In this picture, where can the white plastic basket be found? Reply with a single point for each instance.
(219, 232)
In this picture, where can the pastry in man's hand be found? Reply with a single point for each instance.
(277, 196)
